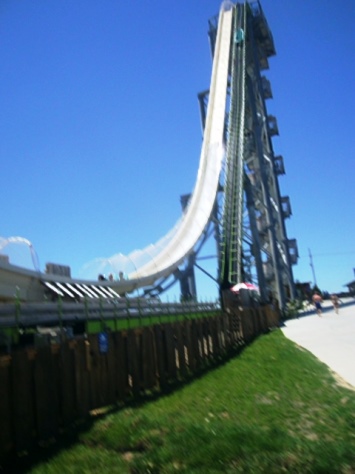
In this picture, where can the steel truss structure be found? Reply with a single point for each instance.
(251, 232)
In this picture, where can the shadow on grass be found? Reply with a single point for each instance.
(20, 464)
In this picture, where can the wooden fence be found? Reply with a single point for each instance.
(44, 390)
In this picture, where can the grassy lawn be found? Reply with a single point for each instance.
(273, 408)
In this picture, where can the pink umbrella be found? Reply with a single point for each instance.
(244, 286)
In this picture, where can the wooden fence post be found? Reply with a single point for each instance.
(161, 356)
(23, 399)
(180, 346)
(6, 411)
(121, 378)
(169, 349)
(133, 347)
(67, 386)
(82, 377)
(149, 365)
(46, 394)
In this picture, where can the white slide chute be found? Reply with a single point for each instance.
(160, 260)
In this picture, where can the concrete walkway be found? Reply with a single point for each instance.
(331, 337)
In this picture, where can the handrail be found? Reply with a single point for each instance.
(39, 314)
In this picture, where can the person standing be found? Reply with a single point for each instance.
(335, 301)
(317, 301)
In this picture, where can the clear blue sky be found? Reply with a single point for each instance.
(100, 129)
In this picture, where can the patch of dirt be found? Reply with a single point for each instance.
(128, 456)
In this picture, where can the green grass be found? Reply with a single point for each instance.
(274, 408)
(138, 322)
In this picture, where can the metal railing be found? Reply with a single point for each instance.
(27, 315)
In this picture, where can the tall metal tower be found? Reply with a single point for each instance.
(254, 245)
(248, 221)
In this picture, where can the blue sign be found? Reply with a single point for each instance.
(103, 342)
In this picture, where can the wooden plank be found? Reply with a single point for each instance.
(67, 397)
(121, 378)
(149, 365)
(251, 321)
(228, 340)
(190, 346)
(236, 330)
(215, 347)
(94, 380)
(210, 325)
(261, 320)
(6, 415)
(201, 341)
(98, 381)
(225, 338)
(272, 316)
(245, 325)
(204, 341)
(46, 395)
(169, 341)
(241, 339)
(234, 319)
(265, 324)
(82, 377)
(256, 321)
(195, 344)
(103, 388)
(161, 356)
(269, 316)
(55, 351)
(23, 400)
(111, 370)
(227, 331)
(180, 346)
(134, 357)
(233, 327)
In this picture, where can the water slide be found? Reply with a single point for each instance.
(162, 259)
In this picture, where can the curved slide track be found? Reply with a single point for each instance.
(162, 259)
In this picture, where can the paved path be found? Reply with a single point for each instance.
(331, 337)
